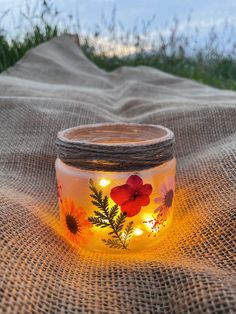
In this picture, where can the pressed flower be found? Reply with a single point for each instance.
(153, 224)
(132, 195)
(76, 226)
(165, 199)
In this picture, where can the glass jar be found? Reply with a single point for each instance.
(115, 185)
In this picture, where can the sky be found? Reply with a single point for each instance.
(204, 13)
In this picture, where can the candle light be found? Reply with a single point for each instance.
(115, 185)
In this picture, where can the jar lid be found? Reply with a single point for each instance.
(115, 146)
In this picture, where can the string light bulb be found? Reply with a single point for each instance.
(104, 182)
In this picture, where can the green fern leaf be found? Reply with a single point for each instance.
(128, 231)
(115, 244)
(109, 217)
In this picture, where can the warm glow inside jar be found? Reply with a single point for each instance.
(115, 185)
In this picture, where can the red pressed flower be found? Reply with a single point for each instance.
(132, 195)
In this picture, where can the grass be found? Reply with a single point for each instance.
(174, 53)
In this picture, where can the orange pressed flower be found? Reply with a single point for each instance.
(75, 224)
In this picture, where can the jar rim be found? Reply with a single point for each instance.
(80, 134)
(115, 146)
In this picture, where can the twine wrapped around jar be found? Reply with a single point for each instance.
(124, 147)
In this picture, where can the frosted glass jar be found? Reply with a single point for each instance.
(115, 185)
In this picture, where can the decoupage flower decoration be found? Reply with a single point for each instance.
(132, 195)
(111, 217)
(165, 199)
(76, 226)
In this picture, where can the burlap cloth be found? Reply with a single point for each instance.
(193, 269)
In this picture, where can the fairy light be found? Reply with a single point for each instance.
(104, 182)
(138, 232)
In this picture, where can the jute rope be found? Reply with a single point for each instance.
(115, 147)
